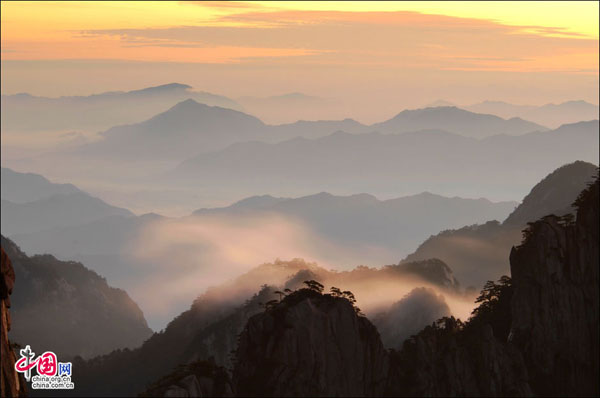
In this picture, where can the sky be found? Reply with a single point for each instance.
(373, 58)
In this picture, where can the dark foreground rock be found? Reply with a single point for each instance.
(451, 359)
(555, 304)
(12, 384)
(310, 344)
(197, 379)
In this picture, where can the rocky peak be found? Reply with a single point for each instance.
(310, 344)
(554, 194)
(555, 303)
(433, 270)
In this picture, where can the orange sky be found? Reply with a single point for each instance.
(254, 39)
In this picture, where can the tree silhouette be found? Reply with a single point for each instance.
(348, 295)
(494, 307)
(271, 304)
(314, 285)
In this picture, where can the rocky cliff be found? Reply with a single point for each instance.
(555, 303)
(12, 384)
(449, 359)
(310, 344)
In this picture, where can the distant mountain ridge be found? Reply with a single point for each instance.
(372, 162)
(97, 111)
(457, 121)
(186, 128)
(189, 128)
(395, 224)
(38, 204)
(551, 115)
(55, 212)
(28, 187)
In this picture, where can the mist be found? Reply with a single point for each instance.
(183, 258)
(189, 255)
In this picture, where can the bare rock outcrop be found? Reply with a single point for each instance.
(310, 344)
(12, 384)
(448, 360)
(555, 303)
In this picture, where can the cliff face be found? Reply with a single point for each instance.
(219, 340)
(448, 360)
(555, 304)
(310, 345)
(12, 384)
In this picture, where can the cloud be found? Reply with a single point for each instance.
(183, 257)
(226, 5)
(406, 39)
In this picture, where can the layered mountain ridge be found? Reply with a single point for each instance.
(466, 249)
(66, 308)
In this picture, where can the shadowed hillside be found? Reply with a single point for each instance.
(66, 308)
(480, 252)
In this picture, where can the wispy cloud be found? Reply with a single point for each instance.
(239, 48)
(407, 39)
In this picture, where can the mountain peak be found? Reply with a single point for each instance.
(163, 87)
(187, 103)
(439, 103)
(294, 95)
(456, 120)
(554, 194)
